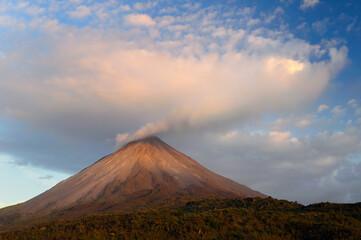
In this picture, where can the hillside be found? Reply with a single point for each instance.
(210, 219)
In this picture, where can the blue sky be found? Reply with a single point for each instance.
(264, 92)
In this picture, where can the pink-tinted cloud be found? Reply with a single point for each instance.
(170, 87)
(139, 20)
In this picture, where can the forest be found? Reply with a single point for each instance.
(250, 218)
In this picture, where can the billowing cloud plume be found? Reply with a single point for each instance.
(238, 86)
(186, 83)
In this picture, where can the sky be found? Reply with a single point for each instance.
(266, 93)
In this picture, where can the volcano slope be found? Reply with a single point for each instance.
(139, 174)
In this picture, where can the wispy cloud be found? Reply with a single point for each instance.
(80, 12)
(352, 103)
(321, 26)
(145, 5)
(309, 3)
(46, 177)
(338, 111)
(322, 108)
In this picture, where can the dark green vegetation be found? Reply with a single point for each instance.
(210, 219)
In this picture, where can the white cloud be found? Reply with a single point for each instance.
(322, 108)
(76, 1)
(145, 5)
(191, 6)
(305, 121)
(138, 6)
(219, 32)
(34, 10)
(124, 7)
(321, 26)
(7, 21)
(230, 135)
(272, 16)
(281, 123)
(279, 10)
(22, 4)
(165, 21)
(80, 12)
(338, 111)
(309, 3)
(300, 122)
(280, 137)
(252, 22)
(169, 10)
(303, 27)
(352, 103)
(139, 20)
(351, 26)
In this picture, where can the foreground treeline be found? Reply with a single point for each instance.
(211, 219)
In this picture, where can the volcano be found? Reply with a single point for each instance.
(141, 172)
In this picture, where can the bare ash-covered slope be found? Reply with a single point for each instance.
(142, 171)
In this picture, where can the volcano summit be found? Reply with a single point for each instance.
(139, 173)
